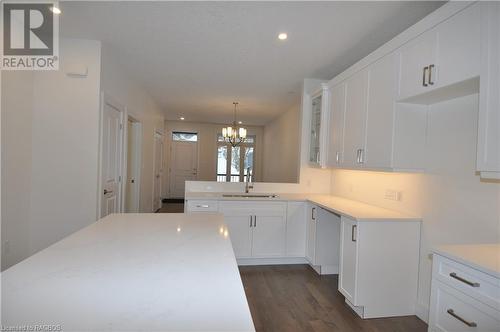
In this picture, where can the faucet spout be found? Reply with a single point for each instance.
(248, 183)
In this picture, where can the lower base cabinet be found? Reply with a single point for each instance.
(322, 250)
(379, 266)
(257, 229)
(462, 298)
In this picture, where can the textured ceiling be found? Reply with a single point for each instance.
(196, 58)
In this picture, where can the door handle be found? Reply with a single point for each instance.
(108, 191)
(424, 81)
(312, 213)
(353, 232)
(430, 75)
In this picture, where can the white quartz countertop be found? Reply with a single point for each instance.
(353, 209)
(132, 272)
(483, 257)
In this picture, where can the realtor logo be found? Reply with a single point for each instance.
(30, 36)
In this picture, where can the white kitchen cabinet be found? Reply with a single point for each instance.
(415, 59)
(323, 240)
(296, 225)
(379, 133)
(442, 57)
(336, 128)
(462, 298)
(379, 266)
(356, 89)
(318, 141)
(256, 229)
(488, 145)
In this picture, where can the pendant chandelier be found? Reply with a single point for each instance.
(233, 134)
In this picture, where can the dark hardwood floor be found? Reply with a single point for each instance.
(294, 298)
(171, 208)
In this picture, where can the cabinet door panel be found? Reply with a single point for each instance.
(459, 47)
(414, 56)
(355, 117)
(311, 234)
(296, 229)
(380, 116)
(348, 259)
(337, 109)
(488, 145)
(240, 234)
(268, 236)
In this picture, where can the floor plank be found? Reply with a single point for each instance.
(295, 298)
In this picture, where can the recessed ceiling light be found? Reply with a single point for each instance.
(240, 122)
(181, 118)
(282, 36)
(55, 10)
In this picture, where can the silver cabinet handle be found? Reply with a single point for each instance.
(353, 233)
(430, 75)
(361, 156)
(337, 157)
(424, 81)
(452, 313)
(251, 221)
(312, 213)
(357, 156)
(205, 206)
(254, 221)
(108, 191)
(465, 281)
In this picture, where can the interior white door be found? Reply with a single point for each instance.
(348, 259)
(183, 166)
(158, 171)
(133, 167)
(111, 152)
(268, 236)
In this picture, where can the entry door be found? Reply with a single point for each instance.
(183, 161)
(158, 171)
(111, 159)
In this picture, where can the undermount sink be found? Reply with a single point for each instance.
(251, 195)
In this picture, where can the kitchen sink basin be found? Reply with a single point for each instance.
(251, 195)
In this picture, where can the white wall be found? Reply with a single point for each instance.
(207, 147)
(124, 89)
(282, 148)
(17, 103)
(456, 205)
(49, 145)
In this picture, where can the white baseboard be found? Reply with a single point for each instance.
(422, 312)
(271, 261)
(357, 310)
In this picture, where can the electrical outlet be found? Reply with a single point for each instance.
(393, 195)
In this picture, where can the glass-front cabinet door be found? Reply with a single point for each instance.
(314, 145)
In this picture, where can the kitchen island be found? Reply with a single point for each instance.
(140, 272)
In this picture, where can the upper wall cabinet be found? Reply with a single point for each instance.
(318, 141)
(440, 58)
(488, 145)
(368, 129)
(337, 116)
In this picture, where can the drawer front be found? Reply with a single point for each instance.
(474, 283)
(452, 310)
(202, 206)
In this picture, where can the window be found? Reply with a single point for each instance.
(184, 137)
(232, 162)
